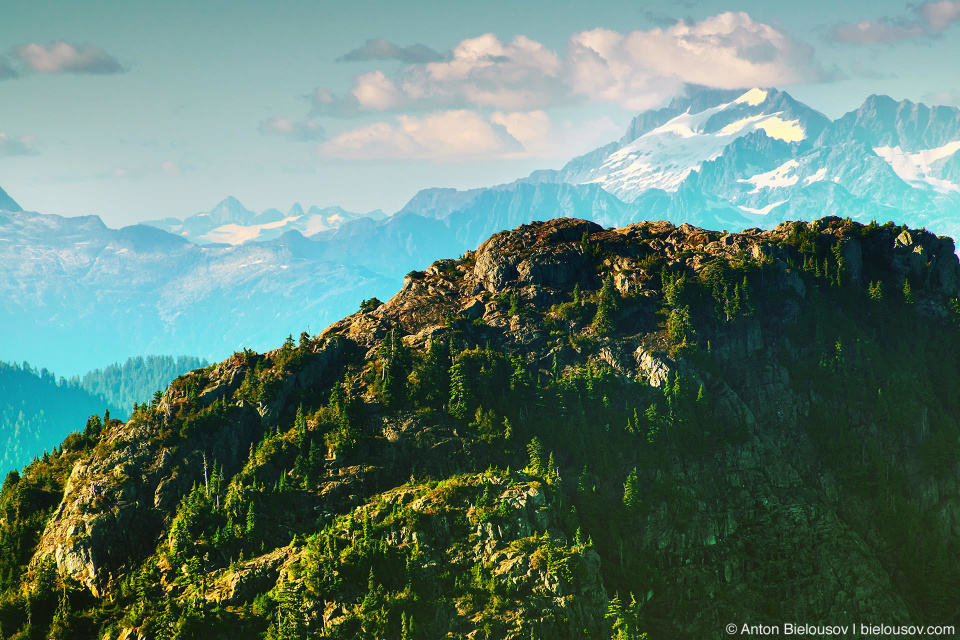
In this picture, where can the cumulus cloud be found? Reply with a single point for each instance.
(17, 146)
(928, 20)
(542, 137)
(480, 71)
(296, 130)
(64, 57)
(635, 70)
(380, 49)
(454, 134)
(639, 69)
(488, 97)
(371, 92)
(463, 134)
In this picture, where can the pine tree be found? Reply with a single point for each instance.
(300, 427)
(631, 493)
(606, 307)
(535, 451)
(461, 395)
(252, 529)
(907, 292)
(552, 472)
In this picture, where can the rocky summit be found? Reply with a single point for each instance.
(571, 432)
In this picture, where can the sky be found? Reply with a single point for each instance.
(135, 109)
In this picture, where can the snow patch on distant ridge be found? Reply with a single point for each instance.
(779, 177)
(918, 168)
(765, 210)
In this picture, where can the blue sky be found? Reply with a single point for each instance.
(134, 110)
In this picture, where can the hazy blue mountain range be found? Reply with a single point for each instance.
(77, 295)
(7, 203)
(136, 380)
(232, 223)
(37, 411)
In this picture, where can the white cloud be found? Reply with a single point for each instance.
(456, 134)
(375, 92)
(640, 69)
(64, 57)
(542, 137)
(929, 20)
(371, 92)
(635, 70)
(480, 71)
(17, 146)
(296, 130)
(464, 134)
(531, 129)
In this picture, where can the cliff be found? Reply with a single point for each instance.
(571, 431)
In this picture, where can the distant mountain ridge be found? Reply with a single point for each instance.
(761, 157)
(7, 203)
(716, 159)
(231, 223)
(78, 295)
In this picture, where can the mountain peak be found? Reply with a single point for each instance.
(7, 203)
(697, 98)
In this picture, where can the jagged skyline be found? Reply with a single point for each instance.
(137, 112)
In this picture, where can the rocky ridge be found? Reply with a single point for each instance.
(746, 515)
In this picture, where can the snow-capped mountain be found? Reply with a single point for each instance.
(231, 223)
(77, 294)
(757, 157)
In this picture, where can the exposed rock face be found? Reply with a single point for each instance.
(754, 523)
(116, 503)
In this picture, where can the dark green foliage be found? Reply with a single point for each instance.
(37, 412)
(603, 322)
(137, 379)
(370, 304)
(395, 363)
(608, 457)
(631, 493)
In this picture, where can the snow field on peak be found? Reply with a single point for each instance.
(753, 97)
(919, 168)
(664, 157)
(765, 210)
(778, 178)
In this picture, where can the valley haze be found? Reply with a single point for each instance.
(80, 295)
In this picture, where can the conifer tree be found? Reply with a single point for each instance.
(907, 292)
(300, 427)
(606, 307)
(552, 472)
(535, 451)
(461, 395)
(631, 493)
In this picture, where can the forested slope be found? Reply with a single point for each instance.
(571, 432)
